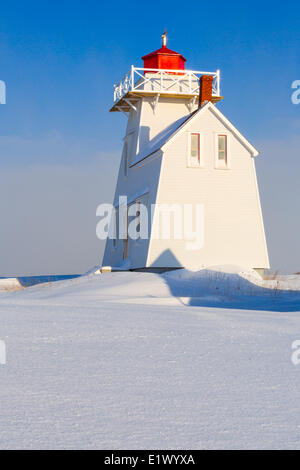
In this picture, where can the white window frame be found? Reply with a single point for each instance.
(219, 165)
(200, 164)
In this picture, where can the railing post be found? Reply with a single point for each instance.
(132, 77)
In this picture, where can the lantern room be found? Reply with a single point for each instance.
(163, 75)
(164, 58)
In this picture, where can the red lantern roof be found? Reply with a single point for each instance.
(164, 58)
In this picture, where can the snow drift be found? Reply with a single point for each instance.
(131, 361)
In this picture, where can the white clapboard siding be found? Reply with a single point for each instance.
(233, 225)
(157, 156)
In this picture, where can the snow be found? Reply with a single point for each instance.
(145, 361)
(10, 284)
(19, 283)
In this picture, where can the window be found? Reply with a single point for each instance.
(126, 159)
(125, 233)
(194, 150)
(138, 219)
(222, 150)
(138, 214)
(134, 219)
(115, 227)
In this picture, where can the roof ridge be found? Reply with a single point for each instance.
(163, 50)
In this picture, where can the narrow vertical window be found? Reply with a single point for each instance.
(138, 214)
(125, 232)
(222, 149)
(125, 160)
(194, 149)
(115, 230)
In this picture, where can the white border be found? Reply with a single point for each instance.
(188, 160)
(218, 165)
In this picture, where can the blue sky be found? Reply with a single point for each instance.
(60, 147)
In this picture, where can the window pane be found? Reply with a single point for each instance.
(221, 155)
(222, 147)
(221, 142)
(195, 140)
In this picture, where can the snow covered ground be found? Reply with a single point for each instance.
(144, 361)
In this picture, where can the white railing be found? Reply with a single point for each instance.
(163, 81)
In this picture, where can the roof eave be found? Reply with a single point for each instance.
(167, 52)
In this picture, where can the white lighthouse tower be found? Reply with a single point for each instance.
(180, 151)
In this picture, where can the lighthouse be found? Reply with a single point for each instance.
(181, 155)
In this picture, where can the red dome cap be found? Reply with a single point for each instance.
(164, 58)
